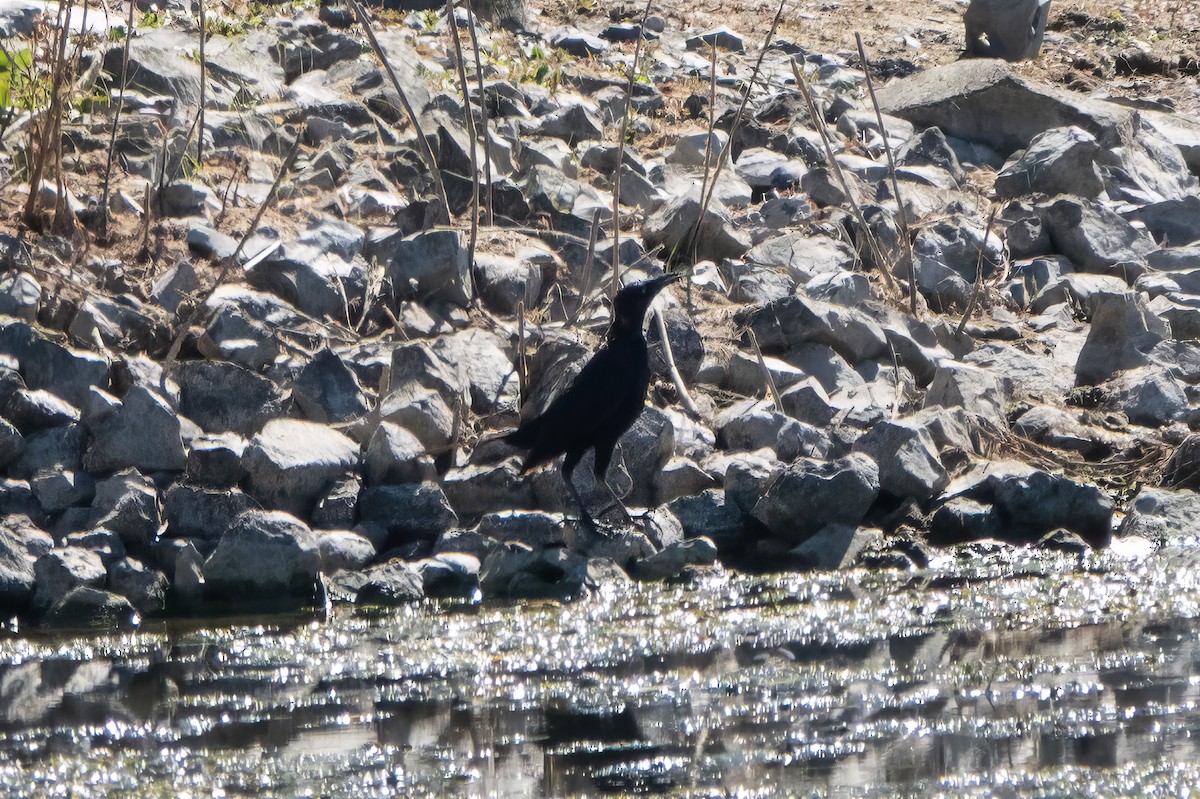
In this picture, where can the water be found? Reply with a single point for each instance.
(1006, 674)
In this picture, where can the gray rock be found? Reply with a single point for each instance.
(908, 460)
(394, 455)
(504, 282)
(804, 257)
(1060, 429)
(64, 568)
(930, 148)
(154, 65)
(795, 321)
(837, 546)
(751, 425)
(224, 397)
(318, 283)
(722, 38)
(1058, 161)
(962, 519)
(1080, 290)
(671, 561)
(58, 489)
(143, 586)
(1173, 223)
(127, 504)
(216, 460)
(811, 494)
(671, 227)
(84, 606)
(975, 390)
(337, 507)
(422, 411)
(12, 443)
(59, 447)
(65, 372)
(453, 575)
(572, 123)
(391, 583)
(263, 555)
(291, 462)
(534, 529)
(1008, 29)
(201, 513)
(518, 572)
(328, 391)
(1095, 238)
(18, 553)
(484, 364)
(1123, 331)
(431, 265)
(17, 498)
(681, 477)
(410, 512)
(984, 101)
(187, 585)
(344, 549)
(176, 284)
(141, 431)
(690, 149)
(475, 490)
(569, 204)
(1149, 396)
(1162, 515)
(34, 410)
(20, 296)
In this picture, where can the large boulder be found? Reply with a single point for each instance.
(141, 431)
(224, 397)
(810, 494)
(291, 462)
(1122, 334)
(263, 555)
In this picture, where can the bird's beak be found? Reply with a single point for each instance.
(670, 277)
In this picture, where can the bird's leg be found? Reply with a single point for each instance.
(584, 516)
(616, 503)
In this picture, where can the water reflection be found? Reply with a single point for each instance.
(1016, 674)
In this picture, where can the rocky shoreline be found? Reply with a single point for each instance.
(327, 426)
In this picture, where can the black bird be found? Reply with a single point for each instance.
(603, 401)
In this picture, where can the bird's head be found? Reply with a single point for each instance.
(633, 300)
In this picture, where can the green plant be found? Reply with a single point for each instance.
(429, 19)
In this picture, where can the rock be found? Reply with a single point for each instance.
(794, 321)
(930, 148)
(504, 282)
(58, 447)
(216, 460)
(804, 257)
(67, 373)
(476, 490)
(672, 225)
(1173, 223)
(291, 462)
(127, 504)
(908, 460)
(484, 365)
(837, 546)
(391, 583)
(141, 431)
(58, 489)
(534, 529)
(17, 498)
(410, 512)
(263, 555)
(1095, 238)
(315, 282)
(337, 507)
(154, 65)
(811, 494)
(750, 425)
(394, 455)
(722, 38)
(327, 390)
(984, 101)
(1148, 396)
(572, 123)
(569, 204)
(690, 150)
(62, 569)
(518, 572)
(681, 477)
(1122, 333)
(20, 296)
(200, 513)
(431, 265)
(1060, 429)
(144, 587)
(31, 411)
(84, 606)
(1008, 29)
(1058, 161)
(224, 397)
(451, 575)
(672, 560)
(344, 549)
(975, 390)
(962, 519)
(1161, 515)
(17, 557)
(12, 443)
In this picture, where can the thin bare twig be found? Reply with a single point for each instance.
(203, 85)
(233, 261)
(762, 364)
(616, 180)
(112, 139)
(586, 285)
(680, 387)
(962, 323)
(856, 211)
(901, 218)
(422, 143)
(469, 116)
(483, 116)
